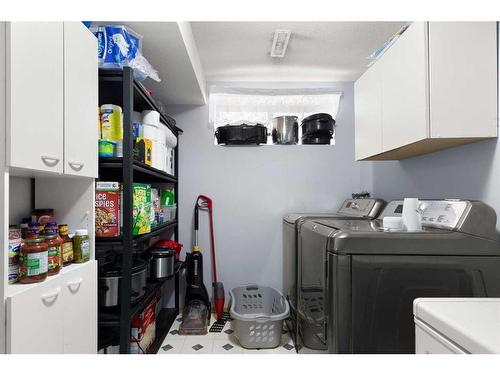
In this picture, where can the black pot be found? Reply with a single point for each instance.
(321, 140)
(318, 125)
(110, 277)
(241, 134)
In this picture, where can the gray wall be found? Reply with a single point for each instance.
(468, 172)
(253, 187)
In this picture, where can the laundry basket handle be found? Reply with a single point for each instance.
(252, 287)
(262, 319)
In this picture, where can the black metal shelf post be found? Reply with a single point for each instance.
(128, 180)
(120, 88)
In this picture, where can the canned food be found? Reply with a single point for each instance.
(13, 273)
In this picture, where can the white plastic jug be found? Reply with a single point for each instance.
(412, 214)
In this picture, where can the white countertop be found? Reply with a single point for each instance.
(471, 323)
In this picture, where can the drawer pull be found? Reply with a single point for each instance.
(50, 298)
(50, 160)
(77, 166)
(74, 286)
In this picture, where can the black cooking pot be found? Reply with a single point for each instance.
(316, 140)
(241, 134)
(110, 278)
(319, 125)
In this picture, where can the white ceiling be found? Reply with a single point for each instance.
(317, 51)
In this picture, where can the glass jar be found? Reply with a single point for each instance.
(81, 246)
(33, 260)
(51, 228)
(54, 244)
(67, 245)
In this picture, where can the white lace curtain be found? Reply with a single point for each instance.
(251, 106)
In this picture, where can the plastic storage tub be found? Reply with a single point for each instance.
(258, 313)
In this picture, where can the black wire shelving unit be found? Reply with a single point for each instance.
(119, 87)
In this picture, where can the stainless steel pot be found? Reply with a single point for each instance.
(110, 276)
(162, 263)
(285, 130)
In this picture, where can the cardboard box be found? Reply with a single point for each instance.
(107, 209)
(141, 208)
(143, 150)
(143, 329)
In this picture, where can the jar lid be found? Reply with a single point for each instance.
(82, 232)
(49, 236)
(34, 240)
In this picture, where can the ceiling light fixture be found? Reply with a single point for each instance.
(280, 43)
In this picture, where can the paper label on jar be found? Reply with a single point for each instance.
(54, 257)
(34, 264)
(67, 252)
(85, 249)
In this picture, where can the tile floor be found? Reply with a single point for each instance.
(216, 343)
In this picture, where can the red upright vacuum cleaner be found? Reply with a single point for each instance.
(196, 315)
(205, 202)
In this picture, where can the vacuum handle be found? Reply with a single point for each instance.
(196, 224)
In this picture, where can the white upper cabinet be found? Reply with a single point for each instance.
(434, 88)
(80, 100)
(463, 79)
(35, 95)
(404, 89)
(368, 114)
(52, 88)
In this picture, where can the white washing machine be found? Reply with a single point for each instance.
(457, 325)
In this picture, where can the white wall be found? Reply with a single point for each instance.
(253, 187)
(468, 172)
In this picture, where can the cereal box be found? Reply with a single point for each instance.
(107, 209)
(141, 208)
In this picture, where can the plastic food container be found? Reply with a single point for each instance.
(169, 213)
(107, 148)
(151, 117)
(111, 122)
(258, 313)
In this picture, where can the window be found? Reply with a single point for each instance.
(251, 106)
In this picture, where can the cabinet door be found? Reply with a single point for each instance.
(34, 319)
(404, 89)
(463, 79)
(80, 310)
(35, 95)
(80, 100)
(368, 113)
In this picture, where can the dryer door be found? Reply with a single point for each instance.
(385, 286)
(312, 284)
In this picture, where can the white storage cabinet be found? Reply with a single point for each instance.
(434, 88)
(56, 316)
(51, 94)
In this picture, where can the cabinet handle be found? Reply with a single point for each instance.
(73, 286)
(50, 298)
(50, 160)
(77, 166)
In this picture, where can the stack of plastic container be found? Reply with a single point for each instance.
(162, 139)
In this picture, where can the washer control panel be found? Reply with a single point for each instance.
(444, 213)
(362, 207)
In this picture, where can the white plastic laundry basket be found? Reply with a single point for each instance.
(258, 313)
